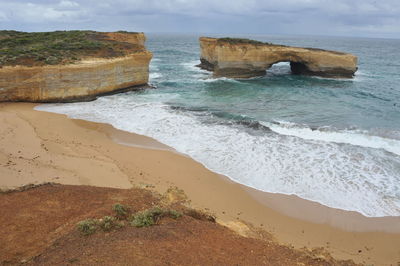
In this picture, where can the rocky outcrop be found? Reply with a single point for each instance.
(83, 80)
(242, 58)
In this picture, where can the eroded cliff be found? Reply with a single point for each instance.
(242, 58)
(121, 64)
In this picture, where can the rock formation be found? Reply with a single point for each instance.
(242, 58)
(84, 79)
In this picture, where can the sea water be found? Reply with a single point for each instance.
(333, 141)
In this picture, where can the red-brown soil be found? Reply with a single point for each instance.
(38, 227)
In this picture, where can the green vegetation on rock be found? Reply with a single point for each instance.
(87, 227)
(144, 218)
(90, 226)
(128, 32)
(58, 47)
(240, 41)
(107, 223)
(121, 210)
(151, 216)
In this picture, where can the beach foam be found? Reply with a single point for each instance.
(353, 137)
(343, 170)
(155, 75)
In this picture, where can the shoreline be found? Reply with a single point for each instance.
(287, 204)
(125, 159)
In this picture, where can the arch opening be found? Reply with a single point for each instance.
(289, 67)
(298, 68)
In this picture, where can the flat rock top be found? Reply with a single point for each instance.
(243, 41)
(65, 47)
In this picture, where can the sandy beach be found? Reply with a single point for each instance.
(37, 147)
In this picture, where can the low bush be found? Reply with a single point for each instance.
(107, 223)
(121, 210)
(151, 216)
(174, 214)
(87, 227)
(144, 218)
(90, 226)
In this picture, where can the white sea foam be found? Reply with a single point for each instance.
(154, 70)
(202, 75)
(155, 75)
(340, 175)
(211, 79)
(281, 68)
(192, 66)
(352, 137)
(282, 64)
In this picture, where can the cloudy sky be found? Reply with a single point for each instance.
(368, 18)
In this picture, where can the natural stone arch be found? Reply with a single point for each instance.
(242, 58)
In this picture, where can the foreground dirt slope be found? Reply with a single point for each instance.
(39, 228)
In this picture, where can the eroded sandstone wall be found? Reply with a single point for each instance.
(83, 80)
(137, 38)
(242, 60)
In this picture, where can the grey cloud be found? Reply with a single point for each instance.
(341, 17)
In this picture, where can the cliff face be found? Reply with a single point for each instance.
(240, 59)
(137, 38)
(83, 80)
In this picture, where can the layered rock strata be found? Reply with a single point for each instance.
(242, 58)
(83, 80)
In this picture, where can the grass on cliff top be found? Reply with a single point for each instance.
(254, 42)
(58, 47)
(243, 41)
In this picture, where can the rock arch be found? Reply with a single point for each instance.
(242, 58)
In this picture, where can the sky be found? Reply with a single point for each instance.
(358, 18)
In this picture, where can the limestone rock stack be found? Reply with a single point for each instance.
(83, 80)
(242, 58)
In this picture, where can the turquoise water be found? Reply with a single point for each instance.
(333, 141)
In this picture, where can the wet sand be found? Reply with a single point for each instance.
(38, 147)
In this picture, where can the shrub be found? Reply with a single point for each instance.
(87, 227)
(107, 223)
(174, 214)
(151, 216)
(121, 210)
(146, 218)
(90, 226)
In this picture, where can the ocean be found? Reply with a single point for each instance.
(333, 141)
